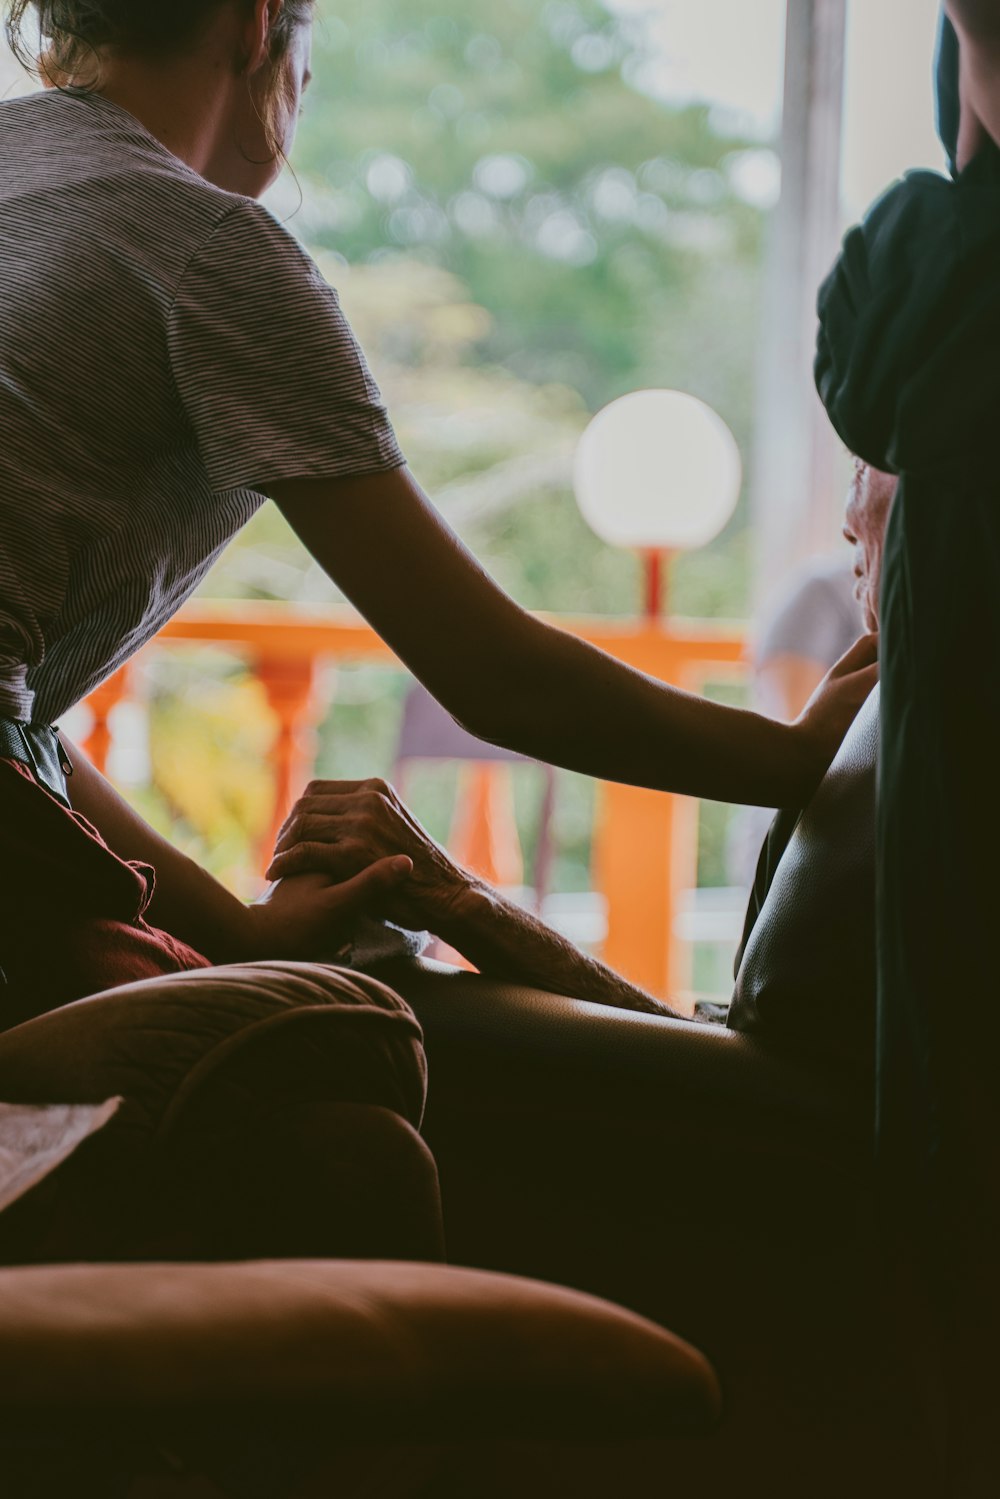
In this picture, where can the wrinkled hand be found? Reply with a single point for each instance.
(312, 915)
(834, 705)
(341, 827)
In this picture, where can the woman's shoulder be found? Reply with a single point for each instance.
(83, 168)
(249, 257)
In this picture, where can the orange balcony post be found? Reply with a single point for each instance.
(645, 853)
(102, 703)
(289, 683)
(645, 843)
(484, 832)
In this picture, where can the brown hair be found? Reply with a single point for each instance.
(74, 32)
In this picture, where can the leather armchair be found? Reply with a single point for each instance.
(715, 1179)
(292, 1379)
(297, 1378)
(635, 1155)
(710, 1181)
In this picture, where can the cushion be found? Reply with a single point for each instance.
(806, 974)
(400, 1350)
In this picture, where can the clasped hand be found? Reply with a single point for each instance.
(350, 849)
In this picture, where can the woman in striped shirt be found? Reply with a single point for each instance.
(170, 358)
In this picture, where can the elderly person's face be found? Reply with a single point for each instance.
(865, 520)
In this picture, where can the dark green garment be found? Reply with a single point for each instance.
(948, 108)
(908, 367)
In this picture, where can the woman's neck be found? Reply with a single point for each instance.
(200, 106)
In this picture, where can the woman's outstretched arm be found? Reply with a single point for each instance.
(510, 678)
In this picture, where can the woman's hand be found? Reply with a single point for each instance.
(834, 705)
(341, 827)
(312, 915)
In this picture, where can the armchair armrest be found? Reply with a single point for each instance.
(274, 1378)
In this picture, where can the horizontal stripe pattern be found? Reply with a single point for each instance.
(168, 353)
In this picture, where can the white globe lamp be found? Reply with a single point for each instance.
(657, 471)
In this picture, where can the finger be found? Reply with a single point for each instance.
(368, 797)
(861, 654)
(861, 682)
(301, 821)
(306, 858)
(311, 827)
(307, 806)
(346, 788)
(369, 890)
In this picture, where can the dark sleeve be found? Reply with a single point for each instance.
(265, 364)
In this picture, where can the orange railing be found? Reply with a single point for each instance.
(645, 843)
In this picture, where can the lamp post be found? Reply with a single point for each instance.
(659, 472)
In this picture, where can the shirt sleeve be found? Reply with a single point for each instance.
(265, 364)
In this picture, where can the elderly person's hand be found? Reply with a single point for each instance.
(341, 828)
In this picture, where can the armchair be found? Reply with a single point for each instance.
(707, 1179)
(152, 1347)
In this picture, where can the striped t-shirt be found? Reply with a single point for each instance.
(167, 353)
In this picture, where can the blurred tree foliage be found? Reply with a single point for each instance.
(506, 143)
(519, 235)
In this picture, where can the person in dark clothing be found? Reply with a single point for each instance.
(907, 369)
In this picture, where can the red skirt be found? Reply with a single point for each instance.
(72, 913)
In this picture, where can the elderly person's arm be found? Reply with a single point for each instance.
(504, 941)
(342, 827)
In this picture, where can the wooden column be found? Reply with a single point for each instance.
(102, 703)
(290, 684)
(795, 501)
(483, 835)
